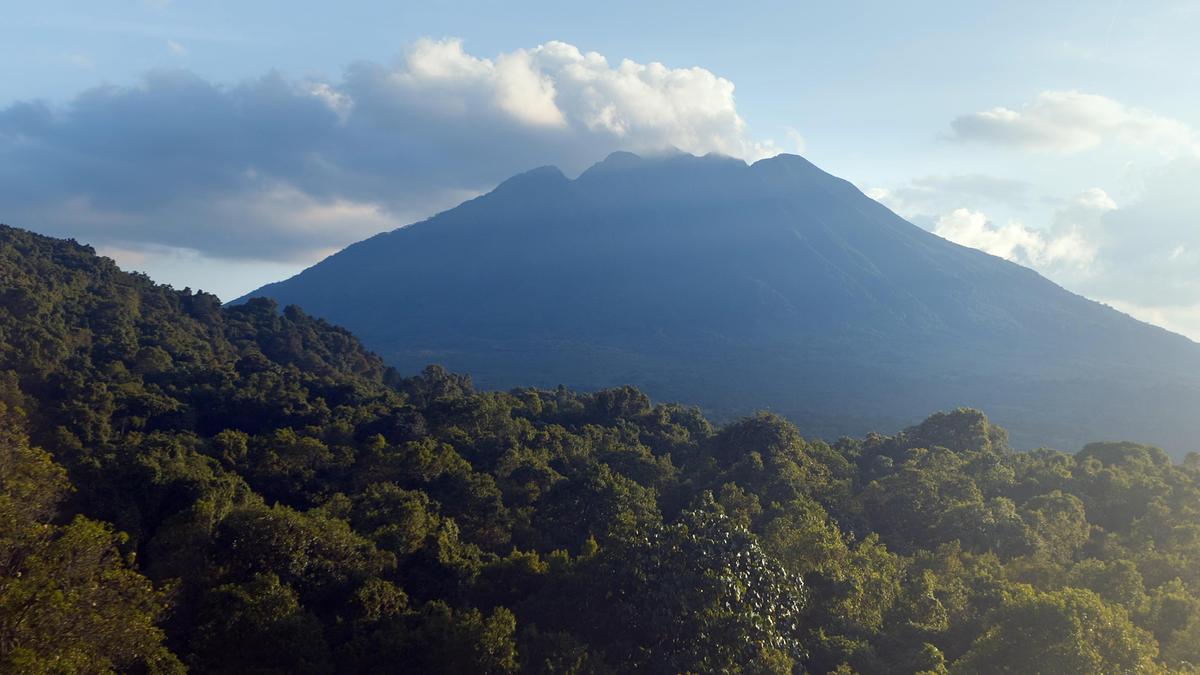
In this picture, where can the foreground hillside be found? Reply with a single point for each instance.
(239, 490)
(737, 288)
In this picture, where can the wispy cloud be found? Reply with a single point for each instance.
(799, 143)
(77, 59)
(938, 194)
(1072, 121)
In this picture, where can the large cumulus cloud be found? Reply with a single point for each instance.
(286, 169)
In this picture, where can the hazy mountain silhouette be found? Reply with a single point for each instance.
(736, 287)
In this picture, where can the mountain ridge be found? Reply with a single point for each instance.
(739, 286)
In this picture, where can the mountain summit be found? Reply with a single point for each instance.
(736, 287)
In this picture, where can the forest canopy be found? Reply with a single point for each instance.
(186, 486)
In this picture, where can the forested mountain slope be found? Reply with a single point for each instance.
(239, 490)
(737, 288)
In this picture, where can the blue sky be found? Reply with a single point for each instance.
(222, 145)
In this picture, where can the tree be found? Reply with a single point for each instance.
(1062, 632)
(69, 601)
(699, 595)
(258, 627)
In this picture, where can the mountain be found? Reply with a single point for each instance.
(738, 287)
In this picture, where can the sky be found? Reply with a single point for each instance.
(223, 145)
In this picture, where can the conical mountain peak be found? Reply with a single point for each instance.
(737, 287)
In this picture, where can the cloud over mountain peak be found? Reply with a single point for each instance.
(179, 161)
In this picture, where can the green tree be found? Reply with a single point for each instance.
(69, 600)
(1061, 632)
(258, 627)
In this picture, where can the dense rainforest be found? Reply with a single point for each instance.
(247, 490)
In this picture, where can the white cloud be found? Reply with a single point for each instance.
(281, 169)
(973, 229)
(176, 48)
(525, 92)
(433, 60)
(1068, 245)
(1095, 199)
(1072, 121)
(799, 144)
(339, 103)
(1014, 241)
(882, 195)
(555, 85)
